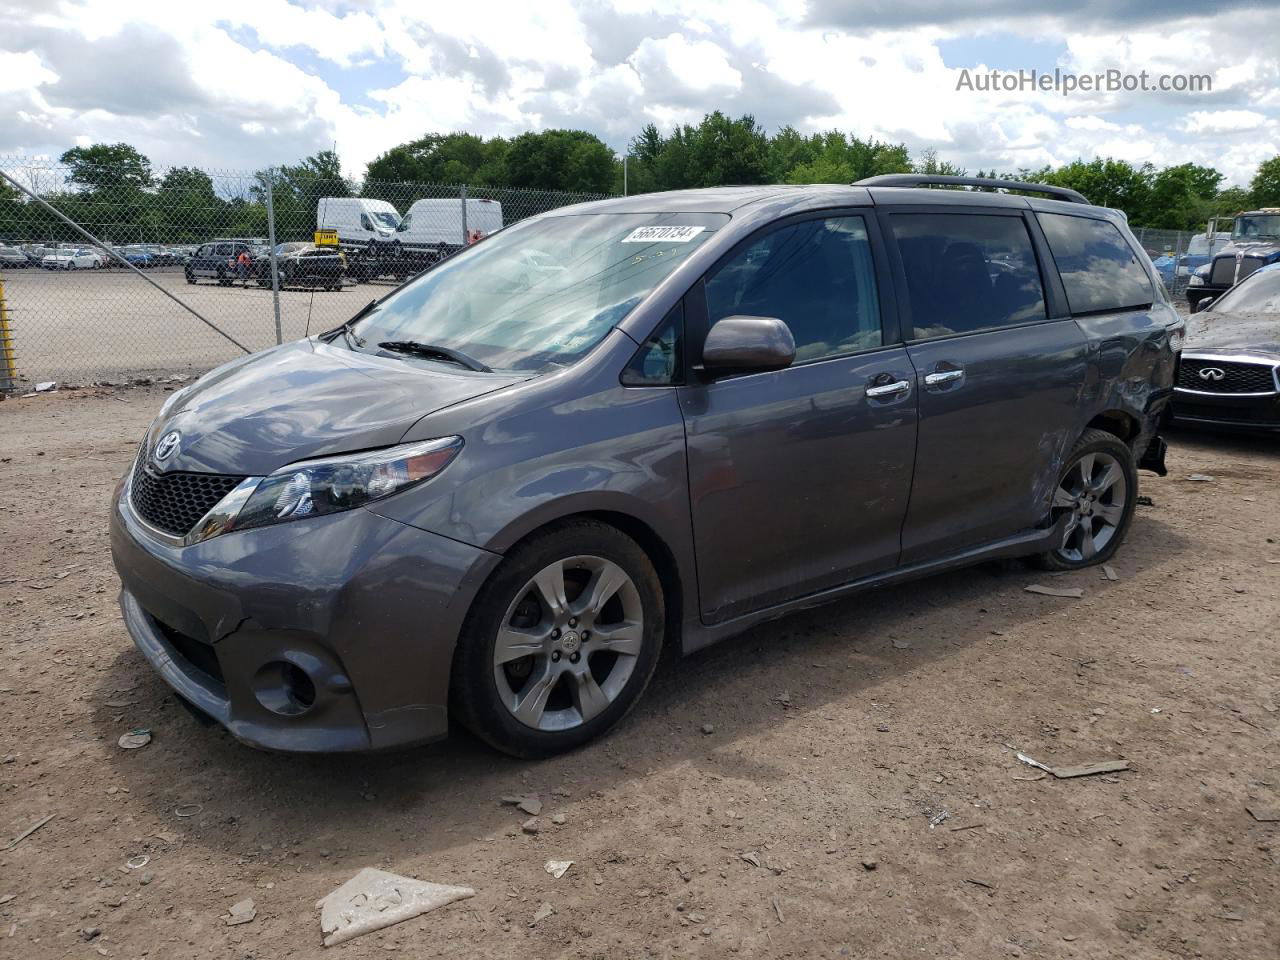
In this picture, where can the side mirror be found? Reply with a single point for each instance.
(741, 344)
(1203, 304)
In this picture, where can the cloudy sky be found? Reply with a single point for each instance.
(243, 85)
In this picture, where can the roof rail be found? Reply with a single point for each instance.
(931, 179)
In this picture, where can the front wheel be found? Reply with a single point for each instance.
(561, 641)
(1096, 492)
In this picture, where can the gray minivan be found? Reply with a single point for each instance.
(494, 494)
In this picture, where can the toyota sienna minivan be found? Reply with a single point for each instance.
(493, 495)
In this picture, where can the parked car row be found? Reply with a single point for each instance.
(246, 261)
(71, 256)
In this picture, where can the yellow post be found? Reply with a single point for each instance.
(8, 367)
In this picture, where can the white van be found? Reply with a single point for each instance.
(432, 224)
(359, 221)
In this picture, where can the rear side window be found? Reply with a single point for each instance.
(1100, 271)
(967, 272)
(815, 276)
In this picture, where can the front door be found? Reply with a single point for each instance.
(798, 478)
(998, 381)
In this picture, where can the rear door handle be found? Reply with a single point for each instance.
(894, 389)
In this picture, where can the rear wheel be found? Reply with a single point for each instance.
(560, 642)
(1096, 492)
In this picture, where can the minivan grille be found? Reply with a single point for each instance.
(175, 502)
(1236, 377)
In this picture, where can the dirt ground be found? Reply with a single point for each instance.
(863, 755)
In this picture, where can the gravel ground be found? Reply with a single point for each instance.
(87, 326)
(840, 783)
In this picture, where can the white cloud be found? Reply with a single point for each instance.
(236, 86)
(697, 67)
(1204, 122)
(23, 71)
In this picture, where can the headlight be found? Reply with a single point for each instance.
(314, 488)
(1196, 281)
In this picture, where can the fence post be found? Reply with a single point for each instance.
(8, 366)
(462, 191)
(271, 239)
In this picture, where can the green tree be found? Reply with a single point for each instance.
(789, 150)
(105, 165)
(560, 160)
(725, 151)
(188, 207)
(1266, 184)
(1180, 197)
(438, 158)
(930, 164)
(1106, 182)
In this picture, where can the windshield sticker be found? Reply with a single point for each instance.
(662, 234)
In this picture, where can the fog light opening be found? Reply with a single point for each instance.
(298, 685)
(284, 688)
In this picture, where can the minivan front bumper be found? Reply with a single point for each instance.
(332, 633)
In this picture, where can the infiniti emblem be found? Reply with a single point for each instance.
(167, 445)
(1206, 373)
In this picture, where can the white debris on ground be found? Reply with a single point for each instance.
(375, 899)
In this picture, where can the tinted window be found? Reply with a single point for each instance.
(1099, 269)
(816, 276)
(222, 250)
(967, 272)
(660, 362)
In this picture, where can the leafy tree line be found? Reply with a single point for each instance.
(113, 191)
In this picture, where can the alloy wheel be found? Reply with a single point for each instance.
(1092, 494)
(568, 643)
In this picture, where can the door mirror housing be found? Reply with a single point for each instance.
(742, 344)
(1203, 304)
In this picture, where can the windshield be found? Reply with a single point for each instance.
(385, 219)
(542, 293)
(1259, 293)
(1263, 226)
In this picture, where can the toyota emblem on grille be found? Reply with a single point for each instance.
(1206, 373)
(169, 443)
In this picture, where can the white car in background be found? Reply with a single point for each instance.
(79, 259)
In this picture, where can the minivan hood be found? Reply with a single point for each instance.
(307, 399)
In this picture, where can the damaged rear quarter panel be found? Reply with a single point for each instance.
(1131, 368)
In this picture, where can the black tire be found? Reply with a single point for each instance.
(1084, 545)
(191, 277)
(476, 700)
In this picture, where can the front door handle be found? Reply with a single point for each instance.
(894, 389)
(946, 376)
(943, 374)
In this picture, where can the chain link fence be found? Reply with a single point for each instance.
(1177, 253)
(109, 275)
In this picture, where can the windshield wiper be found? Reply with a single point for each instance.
(432, 352)
(346, 330)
